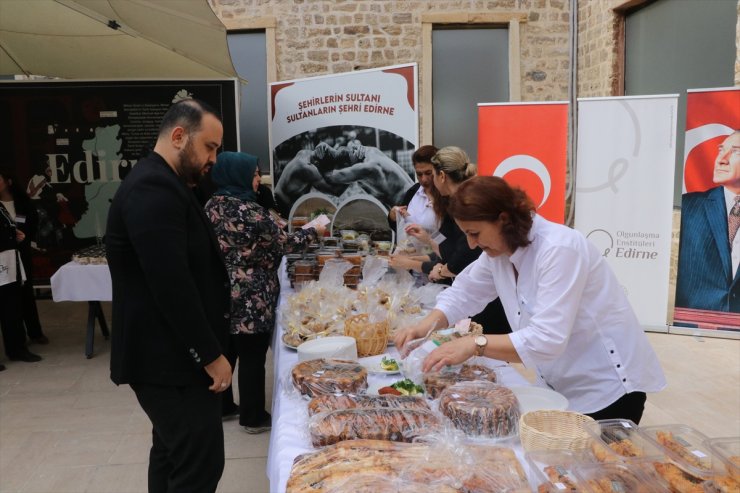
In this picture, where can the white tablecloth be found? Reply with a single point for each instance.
(76, 282)
(290, 436)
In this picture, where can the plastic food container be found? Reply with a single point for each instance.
(353, 258)
(323, 255)
(298, 221)
(555, 468)
(686, 447)
(351, 279)
(331, 241)
(614, 478)
(620, 440)
(383, 246)
(727, 450)
(304, 267)
(348, 234)
(302, 278)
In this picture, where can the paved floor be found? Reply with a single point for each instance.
(64, 427)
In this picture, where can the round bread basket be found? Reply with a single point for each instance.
(371, 337)
(550, 429)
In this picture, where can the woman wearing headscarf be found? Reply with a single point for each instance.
(253, 245)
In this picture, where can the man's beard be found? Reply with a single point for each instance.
(189, 169)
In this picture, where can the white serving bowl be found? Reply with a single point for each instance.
(334, 347)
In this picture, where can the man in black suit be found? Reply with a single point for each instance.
(171, 302)
(709, 255)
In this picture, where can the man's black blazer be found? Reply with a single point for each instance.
(170, 285)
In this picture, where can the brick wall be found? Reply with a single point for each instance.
(317, 37)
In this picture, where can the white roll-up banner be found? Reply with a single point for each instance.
(624, 193)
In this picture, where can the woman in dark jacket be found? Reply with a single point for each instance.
(12, 277)
(253, 245)
(452, 254)
(15, 199)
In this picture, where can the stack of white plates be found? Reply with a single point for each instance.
(533, 398)
(335, 347)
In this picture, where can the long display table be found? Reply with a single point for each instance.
(290, 436)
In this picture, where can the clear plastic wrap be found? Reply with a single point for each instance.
(427, 294)
(614, 478)
(721, 484)
(329, 376)
(317, 310)
(372, 482)
(333, 272)
(417, 350)
(554, 469)
(728, 451)
(442, 465)
(373, 270)
(686, 447)
(619, 440)
(330, 402)
(397, 425)
(473, 370)
(481, 409)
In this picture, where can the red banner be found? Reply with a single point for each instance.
(526, 144)
(711, 115)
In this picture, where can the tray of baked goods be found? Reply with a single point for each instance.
(381, 301)
(434, 466)
(92, 255)
(344, 406)
(465, 410)
(673, 458)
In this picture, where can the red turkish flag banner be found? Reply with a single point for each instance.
(711, 115)
(527, 145)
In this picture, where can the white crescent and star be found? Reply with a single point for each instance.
(525, 161)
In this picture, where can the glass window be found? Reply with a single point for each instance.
(248, 53)
(469, 66)
(671, 46)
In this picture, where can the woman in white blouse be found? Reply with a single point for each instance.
(570, 318)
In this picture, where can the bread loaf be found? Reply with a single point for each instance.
(398, 425)
(331, 402)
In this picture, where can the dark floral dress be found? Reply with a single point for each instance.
(253, 246)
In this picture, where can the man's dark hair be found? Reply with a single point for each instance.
(424, 154)
(187, 114)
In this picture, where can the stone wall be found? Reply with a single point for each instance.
(598, 55)
(317, 37)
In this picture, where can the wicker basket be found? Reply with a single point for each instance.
(546, 430)
(372, 337)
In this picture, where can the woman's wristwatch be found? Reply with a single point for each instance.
(480, 345)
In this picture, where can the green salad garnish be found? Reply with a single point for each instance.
(408, 387)
(389, 364)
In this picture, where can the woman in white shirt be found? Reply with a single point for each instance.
(570, 318)
(416, 206)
